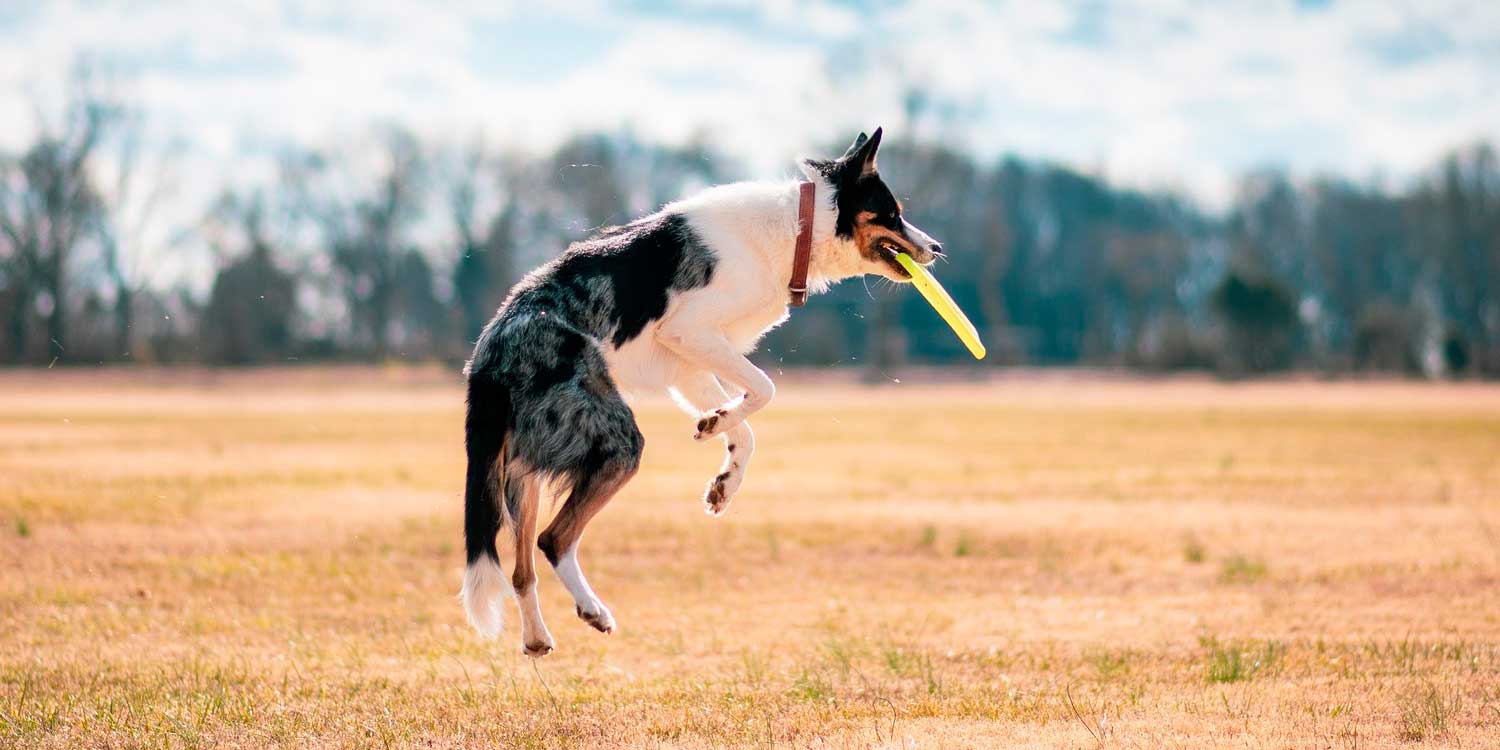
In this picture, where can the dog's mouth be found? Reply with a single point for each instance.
(889, 251)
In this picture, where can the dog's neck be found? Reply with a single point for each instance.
(763, 216)
(834, 258)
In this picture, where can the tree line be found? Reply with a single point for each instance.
(392, 248)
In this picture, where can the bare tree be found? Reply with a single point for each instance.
(1458, 220)
(484, 222)
(1141, 268)
(130, 208)
(252, 305)
(48, 207)
(365, 232)
(586, 177)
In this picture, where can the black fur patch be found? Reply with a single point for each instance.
(870, 194)
(558, 350)
(487, 421)
(639, 264)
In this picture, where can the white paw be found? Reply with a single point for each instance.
(720, 491)
(597, 616)
(712, 423)
(538, 648)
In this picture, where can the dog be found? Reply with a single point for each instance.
(672, 301)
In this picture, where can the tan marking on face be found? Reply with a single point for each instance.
(868, 236)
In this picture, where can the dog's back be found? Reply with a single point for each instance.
(609, 287)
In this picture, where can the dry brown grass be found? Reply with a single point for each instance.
(270, 560)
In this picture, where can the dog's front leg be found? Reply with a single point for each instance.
(711, 351)
(700, 392)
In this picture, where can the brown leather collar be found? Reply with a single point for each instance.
(802, 259)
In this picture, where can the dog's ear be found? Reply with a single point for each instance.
(853, 147)
(862, 153)
(858, 160)
(816, 169)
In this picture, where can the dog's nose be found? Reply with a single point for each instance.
(936, 248)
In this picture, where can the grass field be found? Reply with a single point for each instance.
(270, 560)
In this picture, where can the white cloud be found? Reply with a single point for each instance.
(1154, 92)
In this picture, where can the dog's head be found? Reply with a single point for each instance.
(869, 216)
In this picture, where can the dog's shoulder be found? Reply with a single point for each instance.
(615, 282)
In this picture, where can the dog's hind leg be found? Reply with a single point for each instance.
(522, 493)
(700, 391)
(612, 464)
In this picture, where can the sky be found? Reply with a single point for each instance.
(1176, 94)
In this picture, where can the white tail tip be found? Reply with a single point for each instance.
(484, 593)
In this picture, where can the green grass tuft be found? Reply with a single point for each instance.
(1193, 551)
(929, 535)
(898, 660)
(965, 546)
(1239, 662)
(1427, 713)
(1242, 569)
(813, 687)
(1109, 663)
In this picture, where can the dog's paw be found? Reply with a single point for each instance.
(598, 617)
(537, 649)
(712, 423)
(716, 497)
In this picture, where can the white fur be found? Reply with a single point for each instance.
(587, 601)
(535, 638)
(917, 236)
(484, 593)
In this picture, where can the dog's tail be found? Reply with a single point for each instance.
(485, 431)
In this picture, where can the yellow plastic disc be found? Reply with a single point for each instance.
(938, 297)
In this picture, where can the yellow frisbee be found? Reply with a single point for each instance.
(938, 297)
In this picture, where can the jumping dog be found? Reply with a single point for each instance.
(672, 301)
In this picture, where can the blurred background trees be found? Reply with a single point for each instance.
(50, 208)
(392, 248)
(250, 314)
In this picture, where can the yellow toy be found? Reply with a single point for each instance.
(938, 297)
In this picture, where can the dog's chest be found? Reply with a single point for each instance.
(746, 332)
(644, 365)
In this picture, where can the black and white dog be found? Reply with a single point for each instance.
(672, 301)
